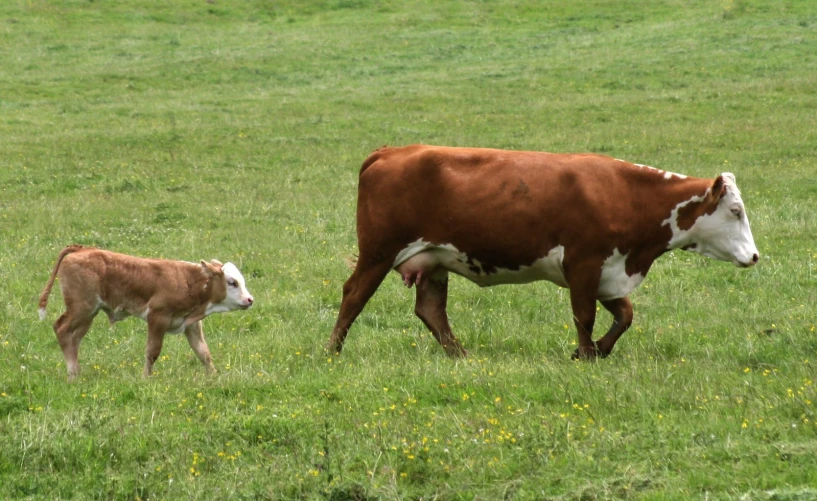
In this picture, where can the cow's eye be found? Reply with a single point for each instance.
(232, 283)
(736, 212)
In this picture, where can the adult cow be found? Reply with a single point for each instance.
(587, 222)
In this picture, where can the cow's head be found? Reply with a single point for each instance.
(720, 228)
(227, 278)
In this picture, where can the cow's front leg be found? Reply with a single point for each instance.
(622, 310)
(583, 289)
(157, 326)
(195, 337)
(584, 316)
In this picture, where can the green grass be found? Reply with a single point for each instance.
(235, 130)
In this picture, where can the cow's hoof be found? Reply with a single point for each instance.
(588, 353)
(459, 353)
(332, 349)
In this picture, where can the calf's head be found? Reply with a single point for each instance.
(229, 289)
(721, 229)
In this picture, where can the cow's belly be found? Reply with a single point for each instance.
(425, 259)
(422, 259)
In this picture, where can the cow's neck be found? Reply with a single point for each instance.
(688, 203)
(674, 203)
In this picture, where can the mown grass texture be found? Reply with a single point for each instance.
(208, 129)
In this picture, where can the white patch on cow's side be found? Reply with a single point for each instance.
(665, 173)
(680, 237)
(669, 175)
(426, 256)
(413, 249)
(724, 235)
(615, 282)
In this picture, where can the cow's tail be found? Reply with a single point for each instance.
(47, 290)
(351, 261)
(372, 158)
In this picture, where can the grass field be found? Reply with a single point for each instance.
(235, 130)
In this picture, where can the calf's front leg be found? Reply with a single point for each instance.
(157, 326)
(195, 337)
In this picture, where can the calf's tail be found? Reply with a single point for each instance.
(47, 290)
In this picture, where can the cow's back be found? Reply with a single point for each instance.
(507, 206)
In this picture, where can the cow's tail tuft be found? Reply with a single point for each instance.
(47, 290)
(351, 261)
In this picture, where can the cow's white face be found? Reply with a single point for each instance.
(238, 297)
(725, 234)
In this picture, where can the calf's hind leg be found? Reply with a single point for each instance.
(432, 299)
(70, 329)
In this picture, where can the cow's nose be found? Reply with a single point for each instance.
(249, 301)
(755, 258)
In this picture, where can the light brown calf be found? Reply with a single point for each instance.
(172, 296)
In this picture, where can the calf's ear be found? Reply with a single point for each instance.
(216, 263)
(207, 268)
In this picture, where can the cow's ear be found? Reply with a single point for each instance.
(718, 189)
(207, 268)
(216, 263)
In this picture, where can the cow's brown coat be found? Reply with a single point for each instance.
(507, 209)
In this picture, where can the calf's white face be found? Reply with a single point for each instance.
(238, 297)
(725, 234)
(237, 293)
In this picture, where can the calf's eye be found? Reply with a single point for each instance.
(736, 212)
(232, 283)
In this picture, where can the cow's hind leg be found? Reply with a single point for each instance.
(622, 310)
(357, 290)
(70, 328)
(195, 337)
(432, 298)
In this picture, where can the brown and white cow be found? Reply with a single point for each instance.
(172, 296)
(587, 222)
